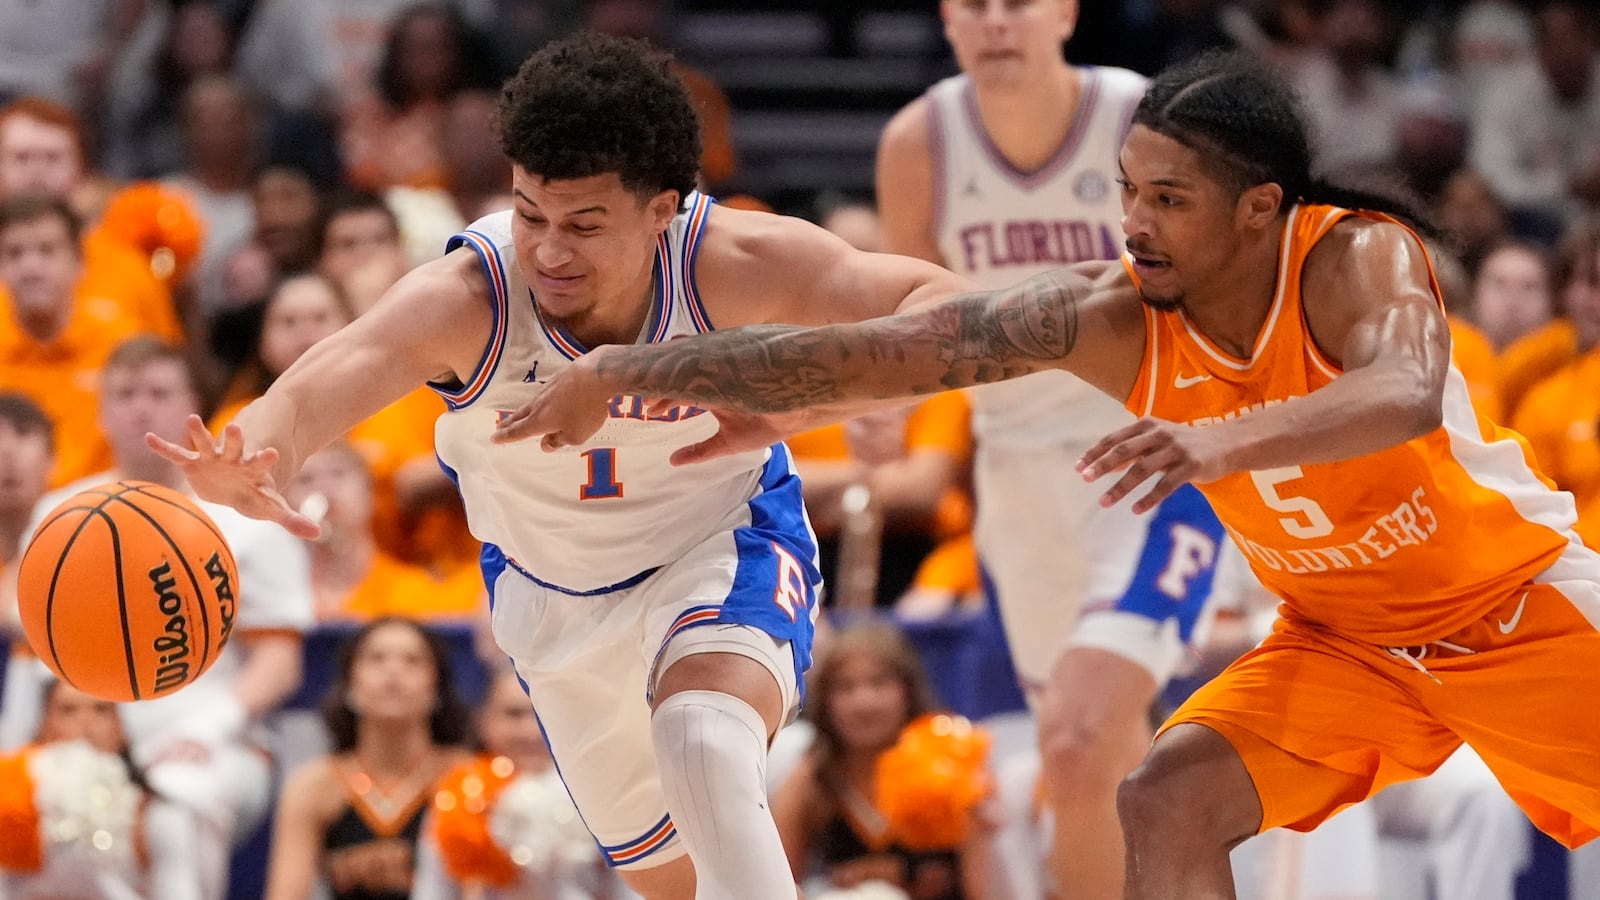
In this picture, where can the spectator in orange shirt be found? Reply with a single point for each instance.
(1560, 416)
(41, 152)
(55, 338)
(1548, 348)
(354, 579)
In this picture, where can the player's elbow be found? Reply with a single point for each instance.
(1420, 395)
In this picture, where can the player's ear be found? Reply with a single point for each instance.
(1069, 17)
(662, 208)
(1259, 206)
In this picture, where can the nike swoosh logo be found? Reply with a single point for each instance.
(1184, 381)
(1508, 627)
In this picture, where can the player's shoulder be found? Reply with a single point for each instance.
(907, 130)
(1118, 82)
(1357, 240)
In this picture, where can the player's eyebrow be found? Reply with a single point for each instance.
(597, 208)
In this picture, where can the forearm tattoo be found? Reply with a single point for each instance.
(965, 340)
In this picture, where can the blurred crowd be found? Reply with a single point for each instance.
(194, 192)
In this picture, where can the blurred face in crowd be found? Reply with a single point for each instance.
(72, 715)
(198, 41)
(868, 702)
(356, 237)
(219, 125)
(508, 726)
(286, 208)
(38, 157)
(392, 675)
(1512, 294)
(303, 310)
(40, 264)
(428, 56)
(1581, 300)
(1008, 42)
(339, 475)
(155, 396)
(470, 147)
(586, 244)
(1354, 31)
(25, 461)
(1567, 47)
(1469, 209)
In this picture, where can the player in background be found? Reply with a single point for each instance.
(1001, 173)
(1285, 346)
(678, 601)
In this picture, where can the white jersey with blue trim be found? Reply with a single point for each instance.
(1000, 225)
(585, 518)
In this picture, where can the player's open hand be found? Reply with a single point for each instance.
(221, 471)
(567, 409)
(1178, 453)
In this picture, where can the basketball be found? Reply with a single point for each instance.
(127, 591)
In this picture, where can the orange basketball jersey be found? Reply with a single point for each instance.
(1398, 547)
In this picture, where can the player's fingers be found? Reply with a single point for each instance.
(1094, 462)
(199, 438)
(232, 443)
(1138, 470)
(1119, 456)
(170, 451)
(1169, 482)
(278, 510)
(710, 448)
(517, 426)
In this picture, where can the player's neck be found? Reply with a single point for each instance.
(1232, 308)
(617, 319)
(1028, 121)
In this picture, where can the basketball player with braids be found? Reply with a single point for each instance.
(661, 617)
(1003, 172)
(1284, 345)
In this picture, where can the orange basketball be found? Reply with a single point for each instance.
(127, 591)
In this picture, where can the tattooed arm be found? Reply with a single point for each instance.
(966, 340)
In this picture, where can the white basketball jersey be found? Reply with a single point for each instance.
(1001, 225)
(589, 517)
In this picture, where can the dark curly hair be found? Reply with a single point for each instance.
(1245, 121)
(593, 104)
(450, 723)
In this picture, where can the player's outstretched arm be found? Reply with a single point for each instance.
(965, 340)
(432, 323)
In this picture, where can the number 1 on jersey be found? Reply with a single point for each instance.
(603, 483)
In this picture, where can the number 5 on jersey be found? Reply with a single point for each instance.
(602, 483)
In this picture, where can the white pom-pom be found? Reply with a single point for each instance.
(87, 804)
(534, 820)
